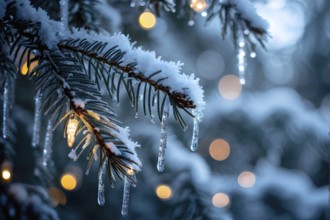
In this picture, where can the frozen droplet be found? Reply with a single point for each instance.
(126, 193)
(253, 54)
(163, 138)
(140, 97)
(241, 43)
(100, 192)
(48, 143)
(5, 113)
(194, 141)
(204, 13)
(246, 32)
(136, 115)
(152, 119)
(37, 120)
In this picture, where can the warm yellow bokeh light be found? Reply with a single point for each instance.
(219, 149)
(6, 175)
(246, 179)
(68, 181)
(198, 5)
(130, 171)
(147, 20)
(220, 200)
(57, 196)
(164, 192)
(230, 87)
(25, 69)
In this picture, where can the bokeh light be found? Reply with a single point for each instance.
(25, 69)
(210, 64)
(198, 5)
(6, 174)
(220, 200)
(57, 196)
(219, 149)
(68, 181)
(6, 171)
(230, 87)
(246, 179)
(164, 192)
(147, 20)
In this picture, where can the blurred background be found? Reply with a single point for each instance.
(263, 151)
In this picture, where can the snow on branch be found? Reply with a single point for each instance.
(248, 13)
(147, 63)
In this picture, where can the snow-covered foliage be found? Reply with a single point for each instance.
(248, 12)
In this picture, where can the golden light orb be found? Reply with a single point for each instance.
(6, 174)
(219, 149)
(230, 87)
(68, 181)
(246, 179)
(220, 200)
(57, 196)
(147, 20)
(164, 192)
(198, 5)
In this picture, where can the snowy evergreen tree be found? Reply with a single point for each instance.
(69, 67)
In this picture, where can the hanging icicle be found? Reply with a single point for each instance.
(241, 60)
(6, 107)
(197, 120)
(64, 15)
(163, 138)
(100, 192)
(127, 186)
(48, 144)
(37, 120)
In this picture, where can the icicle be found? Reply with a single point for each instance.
(48, 143)
(194, 141)
(37, 120)
(127, 186)
(100, 192)
(6, 107)
(64, 13)
(163, 138)
(241, 60)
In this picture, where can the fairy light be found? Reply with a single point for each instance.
(220, 200)
(147, 20)
(57, 196)
(198, 5)
(130, 171)
(164, 192)
(230, 87)
(6, 171)
(246, 179)
(69, 181)
(219, 149)
(6, 174)
(71, 130)
(25, 69)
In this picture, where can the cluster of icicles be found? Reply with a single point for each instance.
(161, 158)
(46, 152)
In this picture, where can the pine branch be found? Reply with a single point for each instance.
(55, 76)
(233, 16)
(113, 58)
